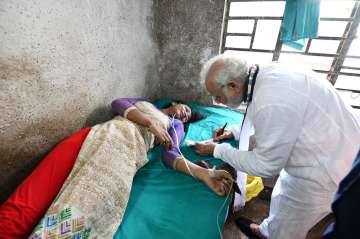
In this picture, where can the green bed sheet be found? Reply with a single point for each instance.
(165, 204)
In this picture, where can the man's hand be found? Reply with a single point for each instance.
(205, 149)
(220, 184)
(217, 136)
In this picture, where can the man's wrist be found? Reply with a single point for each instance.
(218, 150)
(234, 131)
(212, 150)
(216, 153)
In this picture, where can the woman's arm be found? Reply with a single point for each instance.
(174, 159)
(123, 106)
(126, 108)
(219, 184)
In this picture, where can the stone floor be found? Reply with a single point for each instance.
(257, 210)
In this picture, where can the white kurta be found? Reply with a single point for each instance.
(244, 139)
(305, 130)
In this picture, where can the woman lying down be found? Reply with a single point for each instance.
(93, 199)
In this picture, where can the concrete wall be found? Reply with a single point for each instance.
(61, 64)
(188, 34)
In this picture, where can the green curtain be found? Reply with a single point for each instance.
(301, 21)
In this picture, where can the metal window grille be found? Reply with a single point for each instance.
(337, 68)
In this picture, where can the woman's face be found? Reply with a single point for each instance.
(181, 112)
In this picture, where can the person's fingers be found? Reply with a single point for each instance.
(223, 136)
(198, 146)
(221, 190)
(199, 152)
(217, 129)
(227, 175)
(166, 140)
(218, 138)
(227, 183)
(222, 187)
(227, 187)
(169, 141)
(229, 179)
(217, 191)
(168, 136)
(202, 149)
(222, 174)
(164, 144)
(216, 132)
(198, 149)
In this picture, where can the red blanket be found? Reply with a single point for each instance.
(25, 207)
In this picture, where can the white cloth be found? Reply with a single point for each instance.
(303, 127)
(243, 137)
(291, 216)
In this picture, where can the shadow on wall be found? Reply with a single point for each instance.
(152, 89)
(98, 116)
(14, 179)
(188, 33)
(53, 92)
(61, 67)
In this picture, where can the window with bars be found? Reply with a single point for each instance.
(251, 29)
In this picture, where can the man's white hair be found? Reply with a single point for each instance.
(233, 68)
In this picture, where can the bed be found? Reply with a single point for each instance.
(166, 204)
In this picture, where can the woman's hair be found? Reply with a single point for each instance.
(195, 116)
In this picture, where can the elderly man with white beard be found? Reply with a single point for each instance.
(304, 131)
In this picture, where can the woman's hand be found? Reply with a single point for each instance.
(162, 135)
(220, 184)
(217, 136)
